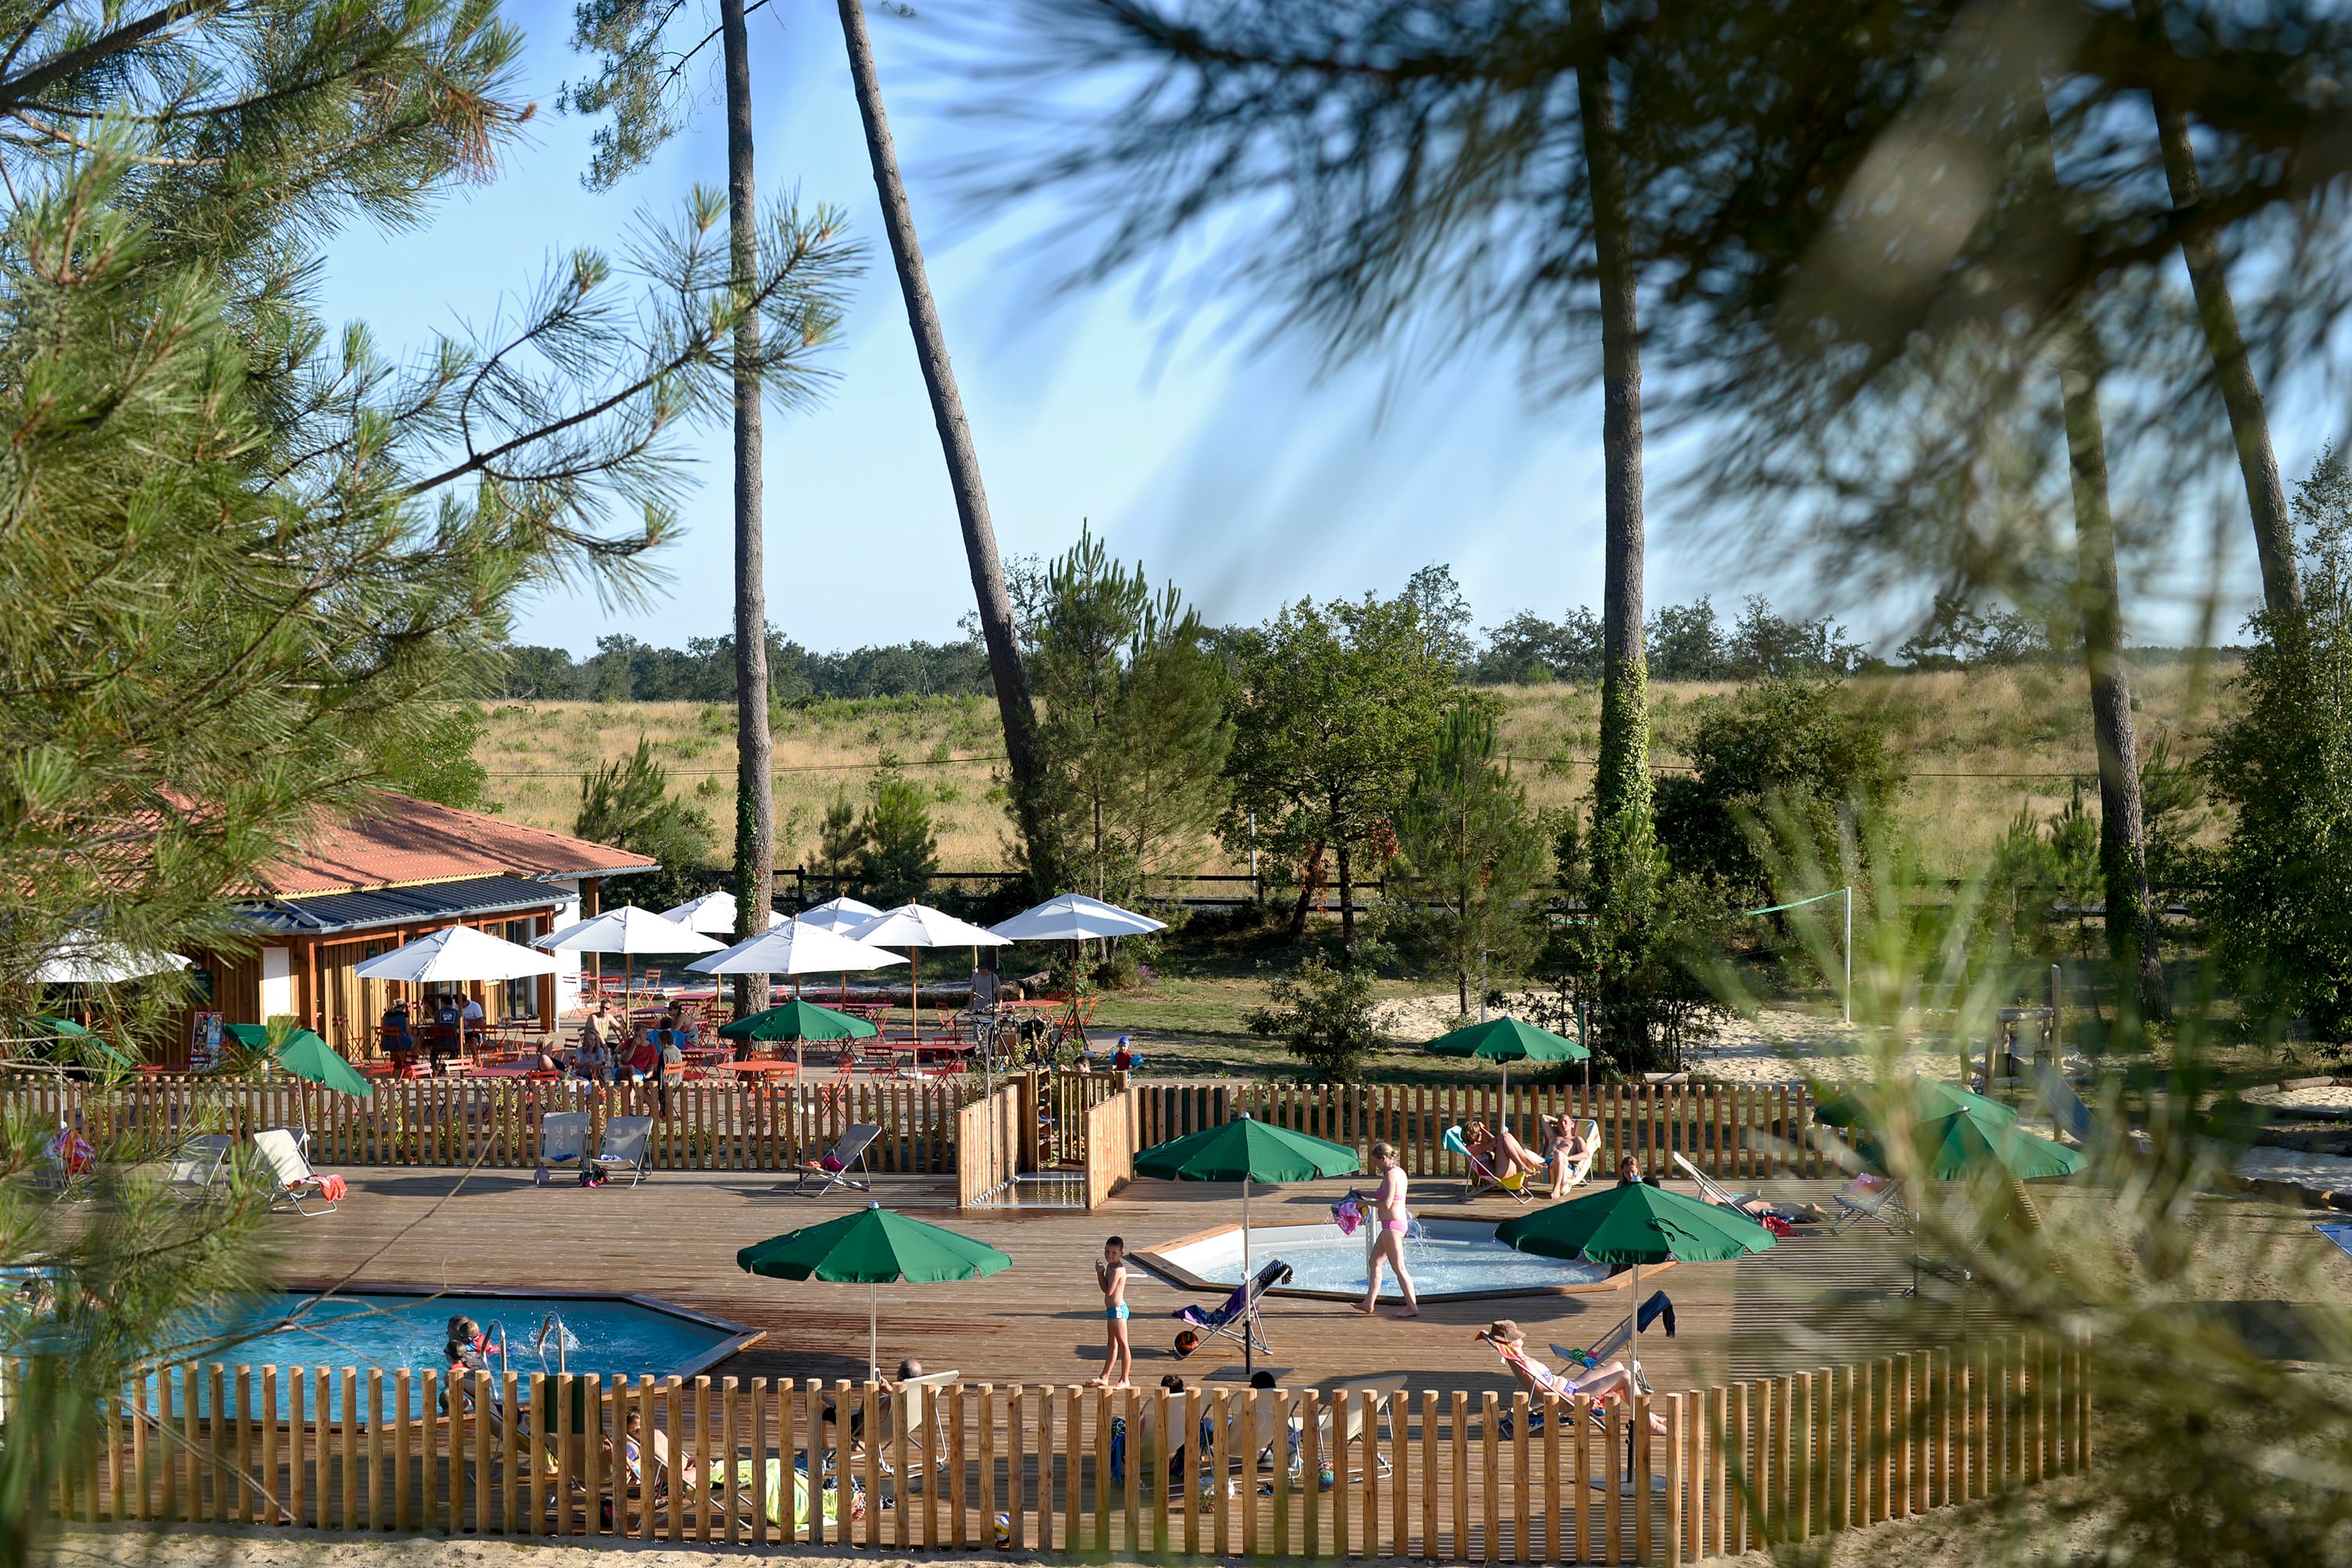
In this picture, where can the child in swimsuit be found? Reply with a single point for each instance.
(1118, 1356)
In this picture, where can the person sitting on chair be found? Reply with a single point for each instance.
(399, 1041)
(474, 1022)
(1502, 1153)
(1568, 1147)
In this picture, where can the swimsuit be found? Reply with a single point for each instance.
(1398, 1225)
(1115, 1314)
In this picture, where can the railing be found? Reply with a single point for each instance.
(1437, 1475)
(987, 1145)
(1736, 1132)
(1110, 1147)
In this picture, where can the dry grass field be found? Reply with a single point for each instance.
(1976, 746)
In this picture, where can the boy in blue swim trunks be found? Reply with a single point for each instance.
(1111, 1275)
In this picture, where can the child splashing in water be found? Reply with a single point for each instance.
(1390, 1223)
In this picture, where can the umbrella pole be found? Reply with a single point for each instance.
(873, 1333)
(1633, 1329)
(1249, 1338)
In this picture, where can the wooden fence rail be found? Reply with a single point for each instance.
(1737, 1132)
(1437, 1475)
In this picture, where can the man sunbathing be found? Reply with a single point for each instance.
(1602, 1382)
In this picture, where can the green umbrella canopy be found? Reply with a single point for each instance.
(1246, 1150)
(797, 1020)
(1931, 1099)
(1953, 1147)
(1507, 1041)
(78, 1038)
(306, 1055)
(873, 1246)
(1636, 1224)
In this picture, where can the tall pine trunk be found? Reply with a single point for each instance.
(2123, 835)
(755, 791)
(2233, 370)
(1021, 751)
(1620, 788)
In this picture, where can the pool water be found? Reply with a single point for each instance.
(1448, 1258)
(600, 1335)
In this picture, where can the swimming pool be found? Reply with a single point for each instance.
(611, 1336)
(1451, 1260)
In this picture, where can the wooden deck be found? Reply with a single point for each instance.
(1040, 1321)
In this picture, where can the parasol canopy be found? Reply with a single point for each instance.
(460, 952)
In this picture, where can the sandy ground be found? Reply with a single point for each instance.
(1778, 1046)
(2331, 1097)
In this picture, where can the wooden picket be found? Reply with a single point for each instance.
(1748, 1466)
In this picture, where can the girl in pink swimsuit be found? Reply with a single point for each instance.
(1391, 1222)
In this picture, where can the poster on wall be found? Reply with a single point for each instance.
(204, 1041)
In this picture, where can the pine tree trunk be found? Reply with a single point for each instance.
(1308, 878)
(1620, 788)
(1346, 901)
(755, 788)
(1022, 754)
(2123, 837)
(2233, 370)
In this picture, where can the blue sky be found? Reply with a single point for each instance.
(1235, 471)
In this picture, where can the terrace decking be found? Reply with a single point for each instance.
(1040, 1321)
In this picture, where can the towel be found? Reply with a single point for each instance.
(1348, 1214)
(332, 1188)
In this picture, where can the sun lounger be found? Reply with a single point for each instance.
(842, 1165)
(1788, 1214)
(195, 1174)
(1238, 1319)
(626, 1145)
(1385, 1392)
(1581, 1172)
(291, 1179)
(1482, 1180)
(927, 1422)
(563, 1137)
(1872, 1197)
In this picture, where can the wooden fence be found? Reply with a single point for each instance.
(1110, 1147)
(1739, 1131)
(989, 1135)
(1736, 1132)
(1437, 1475)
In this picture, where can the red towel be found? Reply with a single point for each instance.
(1777, 1225)
(332, 1188)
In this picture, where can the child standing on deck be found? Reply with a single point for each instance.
(1111, 1275)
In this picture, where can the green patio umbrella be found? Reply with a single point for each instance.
(1245, 1151)
(873, 1246)
(1931, 1098)
(1507, 1041)
(75, 1038)
(797, 1020)
(306, 1055)
(1951, 1148)
(1637, 1223)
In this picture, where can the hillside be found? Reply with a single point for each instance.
(1976, 746)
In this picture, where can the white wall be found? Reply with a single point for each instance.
(277, 981)
(567, 965)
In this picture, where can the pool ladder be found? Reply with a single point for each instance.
(552, 1323)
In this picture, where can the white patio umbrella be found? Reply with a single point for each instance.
(1074, 917)
(460, 952)
(796, 948)
(918, 926)
(85, 958)
(712, 911)
(627, 931)
(838, 914)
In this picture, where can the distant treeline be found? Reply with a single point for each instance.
(1682, 642)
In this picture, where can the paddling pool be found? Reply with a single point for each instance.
(611, 1336)
(1450, 1259)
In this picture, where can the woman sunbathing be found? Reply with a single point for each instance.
(1568, 1147)
(1502, 1153)
(1602, 1382)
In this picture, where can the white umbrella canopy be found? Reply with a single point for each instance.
(1074, 917)
(625, 931)
(712, 911)
(85, 958)
(918, 926)
(838, 914)
(460, 952)
(795, 947)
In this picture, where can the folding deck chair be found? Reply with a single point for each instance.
(1581, 1170)
(927, 1423)
(291, 1178)
(562, 1138)
(1238, 1319)
(193, 1175)
(625, 1148)
(1872, 1197)
(842, 1165)
(1483, 1179)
